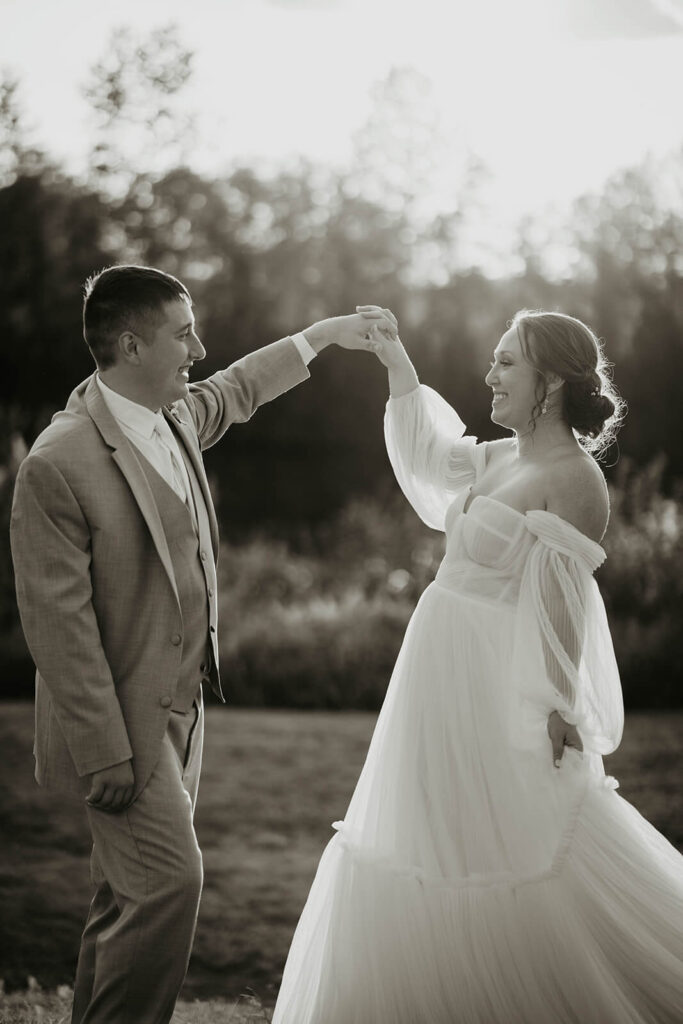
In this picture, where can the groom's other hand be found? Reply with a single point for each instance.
(351, 332)
(111, 789)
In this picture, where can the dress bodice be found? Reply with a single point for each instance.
(487, 544)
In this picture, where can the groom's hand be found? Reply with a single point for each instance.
(111, 789)
(353, 332)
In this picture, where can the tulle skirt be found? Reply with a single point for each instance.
(471, 882)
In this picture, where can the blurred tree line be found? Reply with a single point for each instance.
(266, 254)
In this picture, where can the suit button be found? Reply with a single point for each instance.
(204, 668)
(166, 702)
(210, 591)
(176, 639)
(203, 555)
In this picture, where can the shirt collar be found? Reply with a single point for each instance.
(130, 414)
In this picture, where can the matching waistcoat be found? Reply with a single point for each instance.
(189, 544)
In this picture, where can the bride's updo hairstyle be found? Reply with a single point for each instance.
(561, 344)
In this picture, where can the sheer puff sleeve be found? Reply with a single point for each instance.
(431, 458)
(563, 656)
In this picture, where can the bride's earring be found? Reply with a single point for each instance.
(544, 407)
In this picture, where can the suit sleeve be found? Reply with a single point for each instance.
(234, 394)
(50, 542)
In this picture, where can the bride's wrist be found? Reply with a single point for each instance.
(402, 379)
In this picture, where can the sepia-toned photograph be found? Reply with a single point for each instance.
(341, 482)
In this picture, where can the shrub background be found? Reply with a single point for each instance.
(316, 619)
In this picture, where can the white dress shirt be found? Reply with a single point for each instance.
(151, 435)
(305, 350)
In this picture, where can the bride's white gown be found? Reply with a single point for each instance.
(471, 882)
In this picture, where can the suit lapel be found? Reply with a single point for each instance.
(125, 458)
(190, 445)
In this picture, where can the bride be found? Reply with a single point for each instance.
(486, 871)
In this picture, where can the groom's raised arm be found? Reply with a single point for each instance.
(51, 553)
(233, 395)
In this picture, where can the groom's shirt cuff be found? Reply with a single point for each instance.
(304, 349)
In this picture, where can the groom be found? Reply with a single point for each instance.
(114, 540)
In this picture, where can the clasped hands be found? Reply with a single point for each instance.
(370, 329)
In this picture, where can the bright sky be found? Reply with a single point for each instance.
(554, 95)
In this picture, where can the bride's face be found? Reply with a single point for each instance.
(513, 381)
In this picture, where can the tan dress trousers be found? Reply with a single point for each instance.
(147, 871)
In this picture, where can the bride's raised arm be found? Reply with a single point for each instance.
(432, 459)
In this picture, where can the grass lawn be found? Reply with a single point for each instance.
(273, 781)
(34, 1006)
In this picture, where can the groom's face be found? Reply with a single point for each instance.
(168, 353)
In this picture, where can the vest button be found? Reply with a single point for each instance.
(204, 668)
(203, 555)
(210, 591)
(176, 639)
(166, 702)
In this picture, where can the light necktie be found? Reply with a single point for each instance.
(173, 475)
(179, 480)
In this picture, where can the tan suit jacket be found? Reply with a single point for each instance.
(94, 577)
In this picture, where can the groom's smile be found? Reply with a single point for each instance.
(169, 351)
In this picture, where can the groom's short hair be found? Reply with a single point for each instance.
(121, 298)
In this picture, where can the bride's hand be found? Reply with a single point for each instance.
(371, 313)
(562, 735)
(387, 344)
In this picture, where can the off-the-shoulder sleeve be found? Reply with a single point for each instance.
(563, 655)
(431, 458)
